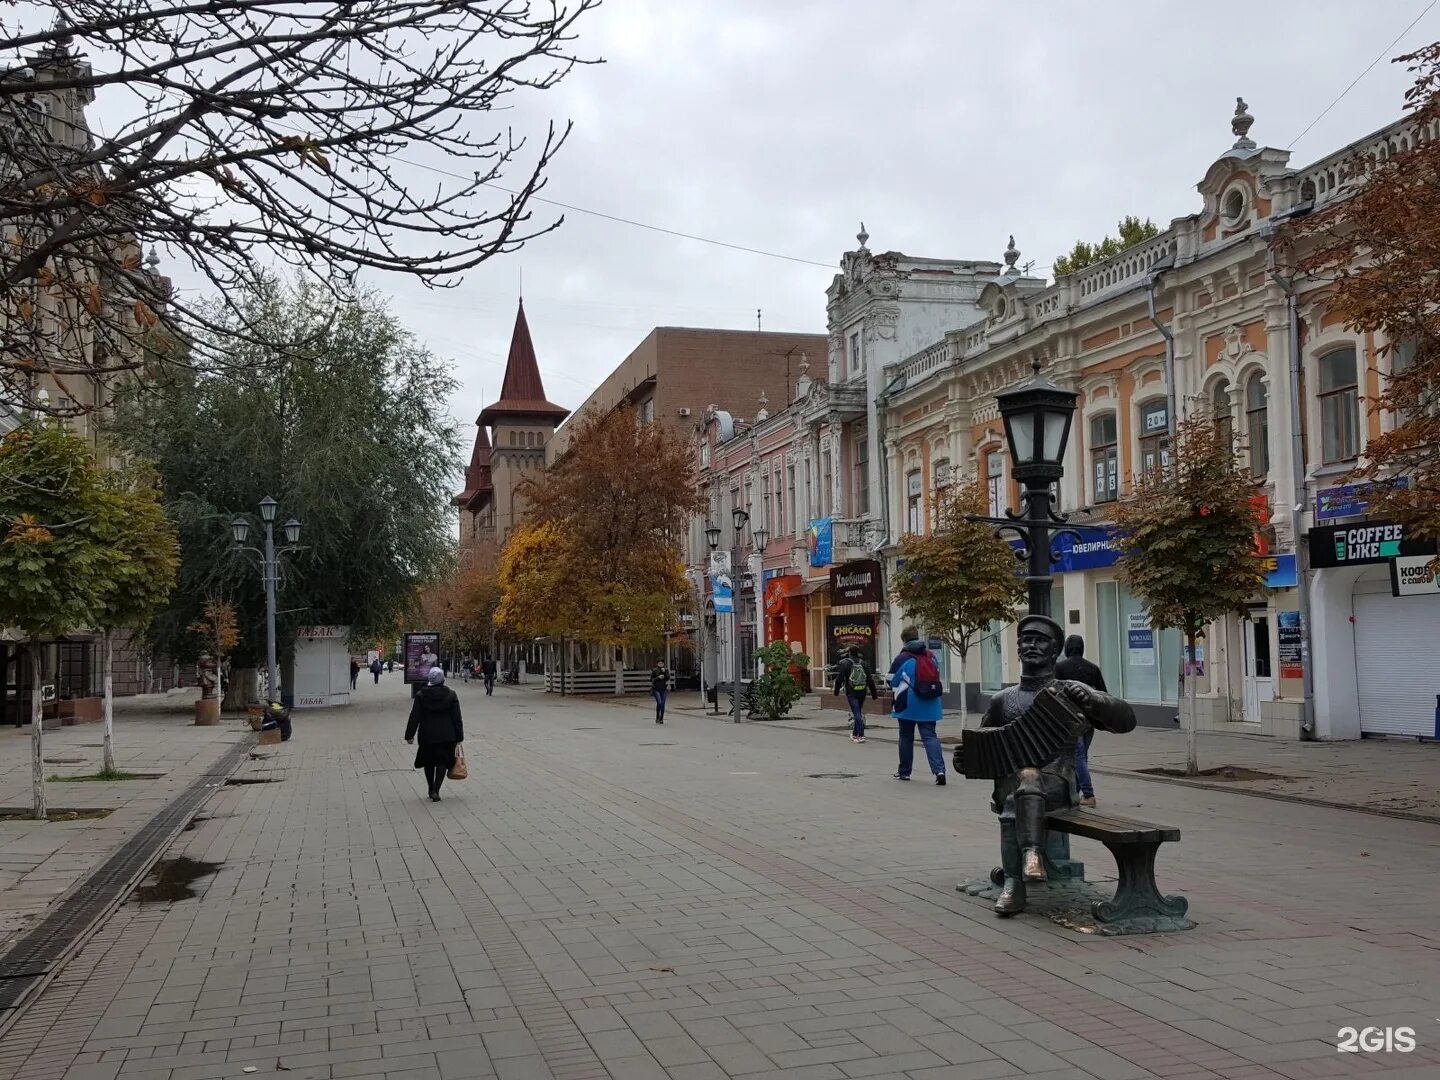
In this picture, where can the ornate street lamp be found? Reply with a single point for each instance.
(269, 577)
(1037, 416)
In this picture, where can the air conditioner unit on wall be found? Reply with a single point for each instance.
(684, 412)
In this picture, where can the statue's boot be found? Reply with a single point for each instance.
(1012, 898)
(1030, 832)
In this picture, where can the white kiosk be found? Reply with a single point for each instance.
(322, 666)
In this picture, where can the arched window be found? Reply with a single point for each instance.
(514, 438)
(1220, 409)
(1104, 458)
(1257, 425)
(914, 503)
(942, 485)
(995, 482)
(1339, 406)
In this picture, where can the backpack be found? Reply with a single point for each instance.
(927, 677)
(858, 679)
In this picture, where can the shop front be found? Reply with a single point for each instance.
(1375, 609)
(784, 604)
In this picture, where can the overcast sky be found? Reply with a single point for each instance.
(944, 125)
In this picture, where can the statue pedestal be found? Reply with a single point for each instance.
(207, 712)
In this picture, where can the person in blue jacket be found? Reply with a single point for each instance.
(912, 711)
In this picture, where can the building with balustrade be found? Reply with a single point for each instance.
(1251, 347)
(1199, 317)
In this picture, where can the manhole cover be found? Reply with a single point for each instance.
(833, 775)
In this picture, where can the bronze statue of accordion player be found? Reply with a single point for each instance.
(1026, 744)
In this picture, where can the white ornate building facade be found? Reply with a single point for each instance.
(918, 349)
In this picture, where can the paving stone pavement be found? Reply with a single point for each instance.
(606, 897)
(154, 734)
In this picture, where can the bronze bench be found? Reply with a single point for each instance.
(1134, 844)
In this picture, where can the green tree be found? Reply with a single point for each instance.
(776, 689)
(58, 562)
(958, 579)
(1131, 231)
(350, 435)
(135, 526)
(1187, 541)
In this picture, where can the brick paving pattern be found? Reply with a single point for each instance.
(609, 898)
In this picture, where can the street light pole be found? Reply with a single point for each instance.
(269, 578)
(268, 575)
(1037, 416)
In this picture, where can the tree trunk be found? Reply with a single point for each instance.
(964, 702)
(109, 704)
(619, 672)
(242, 690)
(37, 736)
(1192, 755)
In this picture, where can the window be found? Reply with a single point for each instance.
(995, 482)
(862, 475)
(942, 485)
(1257, 425)
(647, 411)
(1104, 458)
(1220, 406)
(765, 519)
(809, 494)
(1154, 438)
(1339, 406)
(705, 454)
(514, 438)
(779, 502)
(914, 502)
(790, 497)
(855, 352)
(827, 475)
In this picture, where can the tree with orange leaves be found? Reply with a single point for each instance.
(1380, 245)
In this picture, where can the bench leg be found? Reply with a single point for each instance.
(1137, 896)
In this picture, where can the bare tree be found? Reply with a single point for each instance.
(334, 135)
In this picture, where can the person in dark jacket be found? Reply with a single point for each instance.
(659, 688)
(375, 669)
(435, 720)
(1076, 668)
(487, 672)
(846, 678)
(354, 672)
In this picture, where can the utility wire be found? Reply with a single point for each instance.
(629, 221)
(1383, 53)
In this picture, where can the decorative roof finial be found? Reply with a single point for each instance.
(152, 260)
(763, 413)
(1012, 255)
(1240, 126)
(804, 363)
(862, 235)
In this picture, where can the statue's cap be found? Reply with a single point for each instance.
(1053, 628)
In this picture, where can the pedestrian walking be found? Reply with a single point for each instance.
(1076, 668)
(465, 666)
(853, 681)
(659, 689)
(354, 672)
(487, 672)
(916, 681)
(435, 722)
(375, 669)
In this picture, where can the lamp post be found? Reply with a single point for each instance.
(269, 576)
(1037, 416)
(738, 519)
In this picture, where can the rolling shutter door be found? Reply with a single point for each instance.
(1395, 662)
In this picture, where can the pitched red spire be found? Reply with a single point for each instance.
(478, 485)
(523, 392)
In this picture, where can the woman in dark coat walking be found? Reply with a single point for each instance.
(435, 718)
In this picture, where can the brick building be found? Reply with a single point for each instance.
(678, 372)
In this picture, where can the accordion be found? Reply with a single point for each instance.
(1032, 739)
